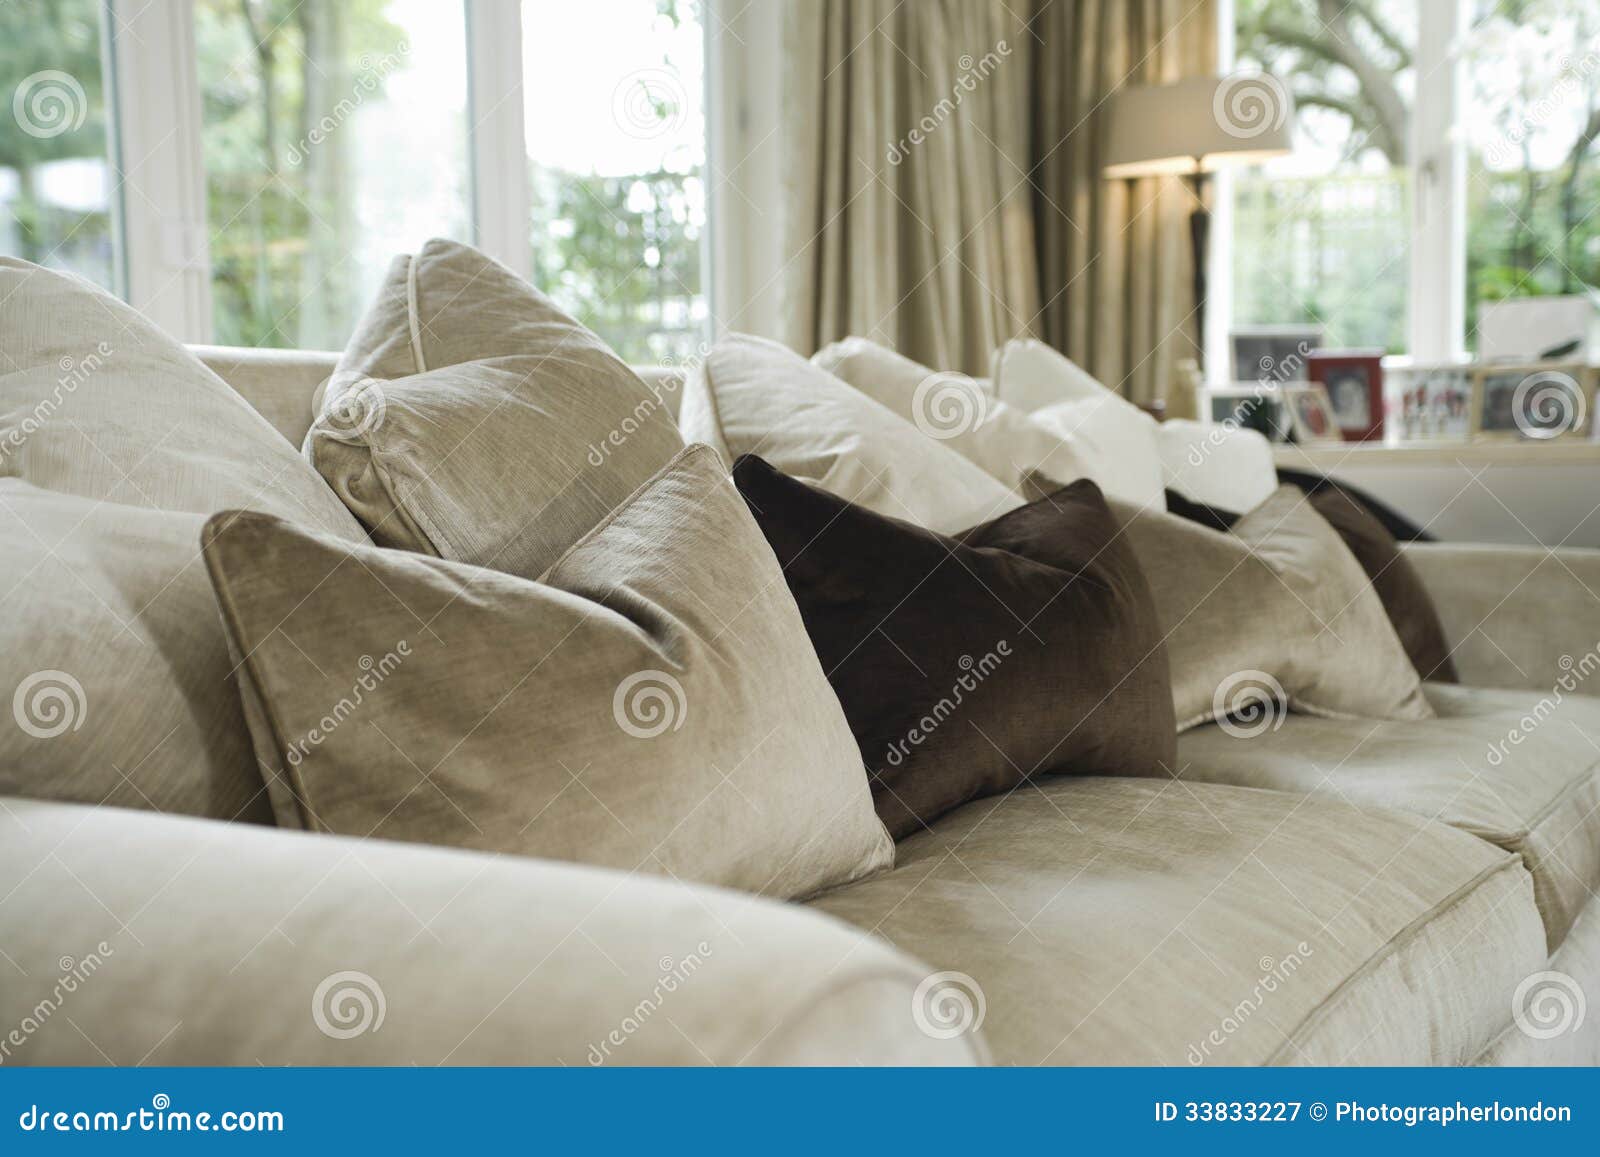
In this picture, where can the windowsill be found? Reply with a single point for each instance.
(1333, 455)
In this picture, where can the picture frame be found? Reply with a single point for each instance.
(1354, 382)
(1311, 414)
(1435, 402)
(1247, 406)
(1532, 401)
(1272, 354)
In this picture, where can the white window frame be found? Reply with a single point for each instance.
(163, 241)
(1436, 295)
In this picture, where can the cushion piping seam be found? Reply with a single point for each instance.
(1392, 946)
(413, 318)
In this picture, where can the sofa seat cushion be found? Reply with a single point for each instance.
(1518, 770)
(1125, 921)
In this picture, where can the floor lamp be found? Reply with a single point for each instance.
(1190, 129)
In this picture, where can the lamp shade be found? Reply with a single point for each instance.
(1197, 125)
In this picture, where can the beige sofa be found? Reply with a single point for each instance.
(1326, 892)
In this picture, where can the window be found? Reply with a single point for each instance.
(1323, 236)
(1533, 163)
(616, 137)
(335, 135)
(56, 187)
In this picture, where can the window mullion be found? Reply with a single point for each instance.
(1438, 183)
(499, 147)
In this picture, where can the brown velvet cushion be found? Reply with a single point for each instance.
(1405, 600)
(970, 665)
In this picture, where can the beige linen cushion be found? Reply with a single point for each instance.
(1278, 610)
(471, 419)
(114, 673)
(653, 703)
(753, 396)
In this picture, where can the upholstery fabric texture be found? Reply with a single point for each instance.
(462, 958)
(753, 396)
(652, 703)
(1405, 600)
(1201, 924)
(114, 662)
(473, 420)
(969, 666)
(1518, 771)
(1276, 610)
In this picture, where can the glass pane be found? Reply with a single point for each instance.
(1323, 235)
(56, 188)
(1533, 163)
(335, 136)
(617, 150)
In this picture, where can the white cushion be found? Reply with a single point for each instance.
(753, 396)
(1028, 374)
(1228, 468)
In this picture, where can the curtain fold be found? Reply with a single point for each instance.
(943, 188)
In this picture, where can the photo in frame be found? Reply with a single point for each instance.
(1311, 414)
(1435, 402)
(1272, 354)
(1354, 381)
(1248, 406)
(1535, 401)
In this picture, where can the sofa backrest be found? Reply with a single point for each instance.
(282, 384)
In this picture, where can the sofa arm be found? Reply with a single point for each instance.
(131, 937)
(1516, 616)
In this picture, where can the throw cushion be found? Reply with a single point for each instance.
(1276, 612)
(752, 396)
(1405, 599)
(473, 420)
(1226, 466)
(970, 665)
(652, 703)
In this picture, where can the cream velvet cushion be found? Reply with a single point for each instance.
(471, 419)
(652, 704)
(1277, 610)
(753, 396)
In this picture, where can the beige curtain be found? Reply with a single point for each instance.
(943, 190)
(1115, 273)
(909, 215)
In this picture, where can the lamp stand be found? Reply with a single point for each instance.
(1199, 244)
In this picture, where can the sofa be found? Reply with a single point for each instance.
(1330, 892)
